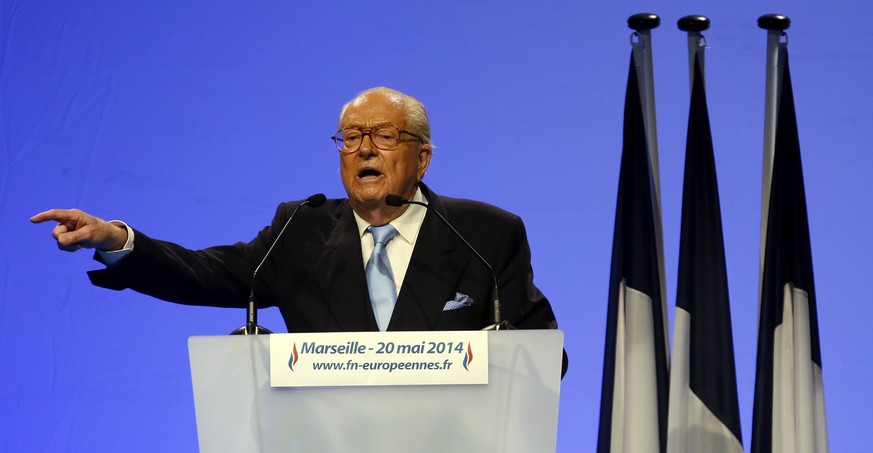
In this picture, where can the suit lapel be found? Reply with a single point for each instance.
(433, 273)
(344, 281)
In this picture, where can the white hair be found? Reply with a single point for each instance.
(416, 114)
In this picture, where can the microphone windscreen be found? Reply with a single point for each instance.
(316, 200)
(394, 200)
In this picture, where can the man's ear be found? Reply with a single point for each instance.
(424, 155)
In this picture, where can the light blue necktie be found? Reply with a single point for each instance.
(380, 278)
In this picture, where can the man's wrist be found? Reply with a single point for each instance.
(128, 243)
(112, 257)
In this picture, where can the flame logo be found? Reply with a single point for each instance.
(294, 356)
(468, 357)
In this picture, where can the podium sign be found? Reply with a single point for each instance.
(378, 358)
(517, 411)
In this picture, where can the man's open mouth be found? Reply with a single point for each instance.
(367, 172)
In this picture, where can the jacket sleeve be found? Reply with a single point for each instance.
(217, 276)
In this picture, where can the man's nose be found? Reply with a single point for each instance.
(367, 146)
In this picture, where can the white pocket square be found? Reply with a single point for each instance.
(461, 300)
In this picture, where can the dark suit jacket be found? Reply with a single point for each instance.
(315, 276)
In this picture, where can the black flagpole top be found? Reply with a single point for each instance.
(774, 22)
(693, 23)
(643, 21)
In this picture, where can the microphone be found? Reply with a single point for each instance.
(496, 306)
(252, 327)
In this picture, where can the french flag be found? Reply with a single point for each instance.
(789, 412)
(704, 410)
(633, 406)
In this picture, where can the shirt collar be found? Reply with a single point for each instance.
(407, 225)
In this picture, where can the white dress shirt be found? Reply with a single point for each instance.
(400, 247)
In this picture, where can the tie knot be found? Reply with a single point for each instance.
(382, 234)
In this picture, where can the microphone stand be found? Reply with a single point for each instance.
(497, 312)
(252, 327)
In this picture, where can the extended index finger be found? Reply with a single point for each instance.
(57, 215)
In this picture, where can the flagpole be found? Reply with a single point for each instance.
(641, 42)
(775, 24)
(643, 24)
(693, 25)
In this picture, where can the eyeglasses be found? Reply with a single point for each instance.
(385, 137)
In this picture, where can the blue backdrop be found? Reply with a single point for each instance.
(189, 120)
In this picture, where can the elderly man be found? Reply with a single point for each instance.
(319, 274)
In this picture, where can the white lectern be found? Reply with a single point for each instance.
(517, 411)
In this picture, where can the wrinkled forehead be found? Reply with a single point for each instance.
(374, 108)
(392, 99)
